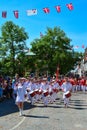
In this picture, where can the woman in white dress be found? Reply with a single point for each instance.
(21, 94)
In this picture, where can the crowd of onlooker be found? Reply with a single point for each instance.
(5, 87)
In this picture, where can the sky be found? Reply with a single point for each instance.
(73, 23)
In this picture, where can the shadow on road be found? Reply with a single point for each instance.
(32, 116)
(8, 106)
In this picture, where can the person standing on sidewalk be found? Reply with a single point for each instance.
(21, 95)
(66, 88)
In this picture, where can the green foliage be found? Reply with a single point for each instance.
(51, 50)
(54, 49)
(12, 43)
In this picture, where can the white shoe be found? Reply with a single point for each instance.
(20, 115)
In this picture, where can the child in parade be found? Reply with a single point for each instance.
(66, 88)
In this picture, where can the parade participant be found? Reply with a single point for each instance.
(72, 81)
(77, 87)
(37, 87)
(55, 90)
(66, 88)
(40, 90)
(21, 94)
(83, 84)
(45, 88)
(51, 99)
(29, 88)
(32, 92)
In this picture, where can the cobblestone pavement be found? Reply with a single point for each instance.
(53, 117)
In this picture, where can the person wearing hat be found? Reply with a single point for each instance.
(66, 88)
(21, 94)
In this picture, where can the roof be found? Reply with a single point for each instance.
(30, 53)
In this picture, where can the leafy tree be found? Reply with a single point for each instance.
(53, 49)
(12, 42)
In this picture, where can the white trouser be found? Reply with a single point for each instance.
(66, 100)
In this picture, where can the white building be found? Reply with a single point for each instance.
(82, 67)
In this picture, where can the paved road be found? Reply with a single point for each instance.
(53, 117)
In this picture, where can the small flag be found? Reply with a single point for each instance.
(4, 14)
(16, 14)
(83, 46)
(46, 10)
(58, 8)
(31, 12)
(69, 6)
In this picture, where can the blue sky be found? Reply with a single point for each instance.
(74, 23)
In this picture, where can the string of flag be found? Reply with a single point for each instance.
(35, 11)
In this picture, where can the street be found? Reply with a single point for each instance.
(52, 117)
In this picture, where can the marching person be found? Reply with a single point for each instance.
(21, 94)
(66, 88)
(45, 88)
(83, 84)
(55, 90)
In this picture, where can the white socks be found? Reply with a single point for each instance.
(20, 112)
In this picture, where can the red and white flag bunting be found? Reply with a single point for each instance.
(34, 11)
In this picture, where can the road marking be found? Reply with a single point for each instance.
(18, 124)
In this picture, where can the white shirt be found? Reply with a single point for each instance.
(66, 86)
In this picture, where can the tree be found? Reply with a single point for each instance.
(13, 42)
(53, 49)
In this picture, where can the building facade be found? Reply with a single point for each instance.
(82, 66)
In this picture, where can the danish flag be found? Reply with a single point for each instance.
(16, 14)
(4, 14)
(69, 6)
(46, 10)
(58, 8)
